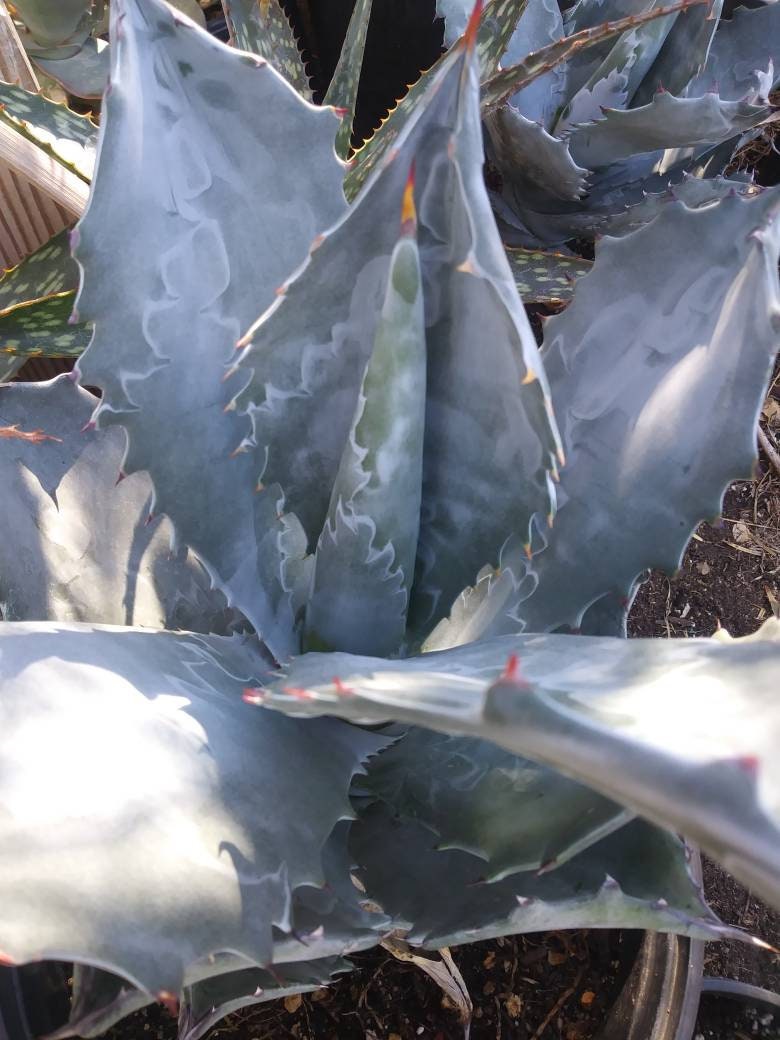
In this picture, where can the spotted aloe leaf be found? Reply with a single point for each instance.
(498, 88)
(740, 61)
(65, 135)
(308, 353)
(666, 122)
(637, 878)
(707, 347)
(210, 229)
(40, 329)
(261, 27)
(342, 92)
(36, 301)
(49, 271)
(182, 760)
(84, 550)
(364, 563)
(509, 812)
(494, 30)
(598, 710)
(546, 277)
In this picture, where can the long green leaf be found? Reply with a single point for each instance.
(682, 731)
(202, 143)
(194, 785)
(83, 546)
(342, 92)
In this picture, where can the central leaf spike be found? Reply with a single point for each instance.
(365, 557)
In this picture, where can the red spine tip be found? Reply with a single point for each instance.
(341, 689)
(512, 668)
(88, 427)
(253, 695)
(749, 764)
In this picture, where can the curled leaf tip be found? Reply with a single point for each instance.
(470, 35)
(527, 550)
(529, 377)
(408, 210)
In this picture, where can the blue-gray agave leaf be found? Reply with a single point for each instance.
(365, 558)
(540, 24)
(203, 144)
(682, 731)
(636, 878)
(200, 809)
(684, 51)
(84, 74)
(615, 81)
(691, 335)
(525, 153)
(742, 62)
(83, 549)
(325, 923)
(308, 353)
(512, 813)
(666, 122)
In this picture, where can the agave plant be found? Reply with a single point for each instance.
(375, 518)
(600, 142)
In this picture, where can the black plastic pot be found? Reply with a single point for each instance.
(660, 998)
